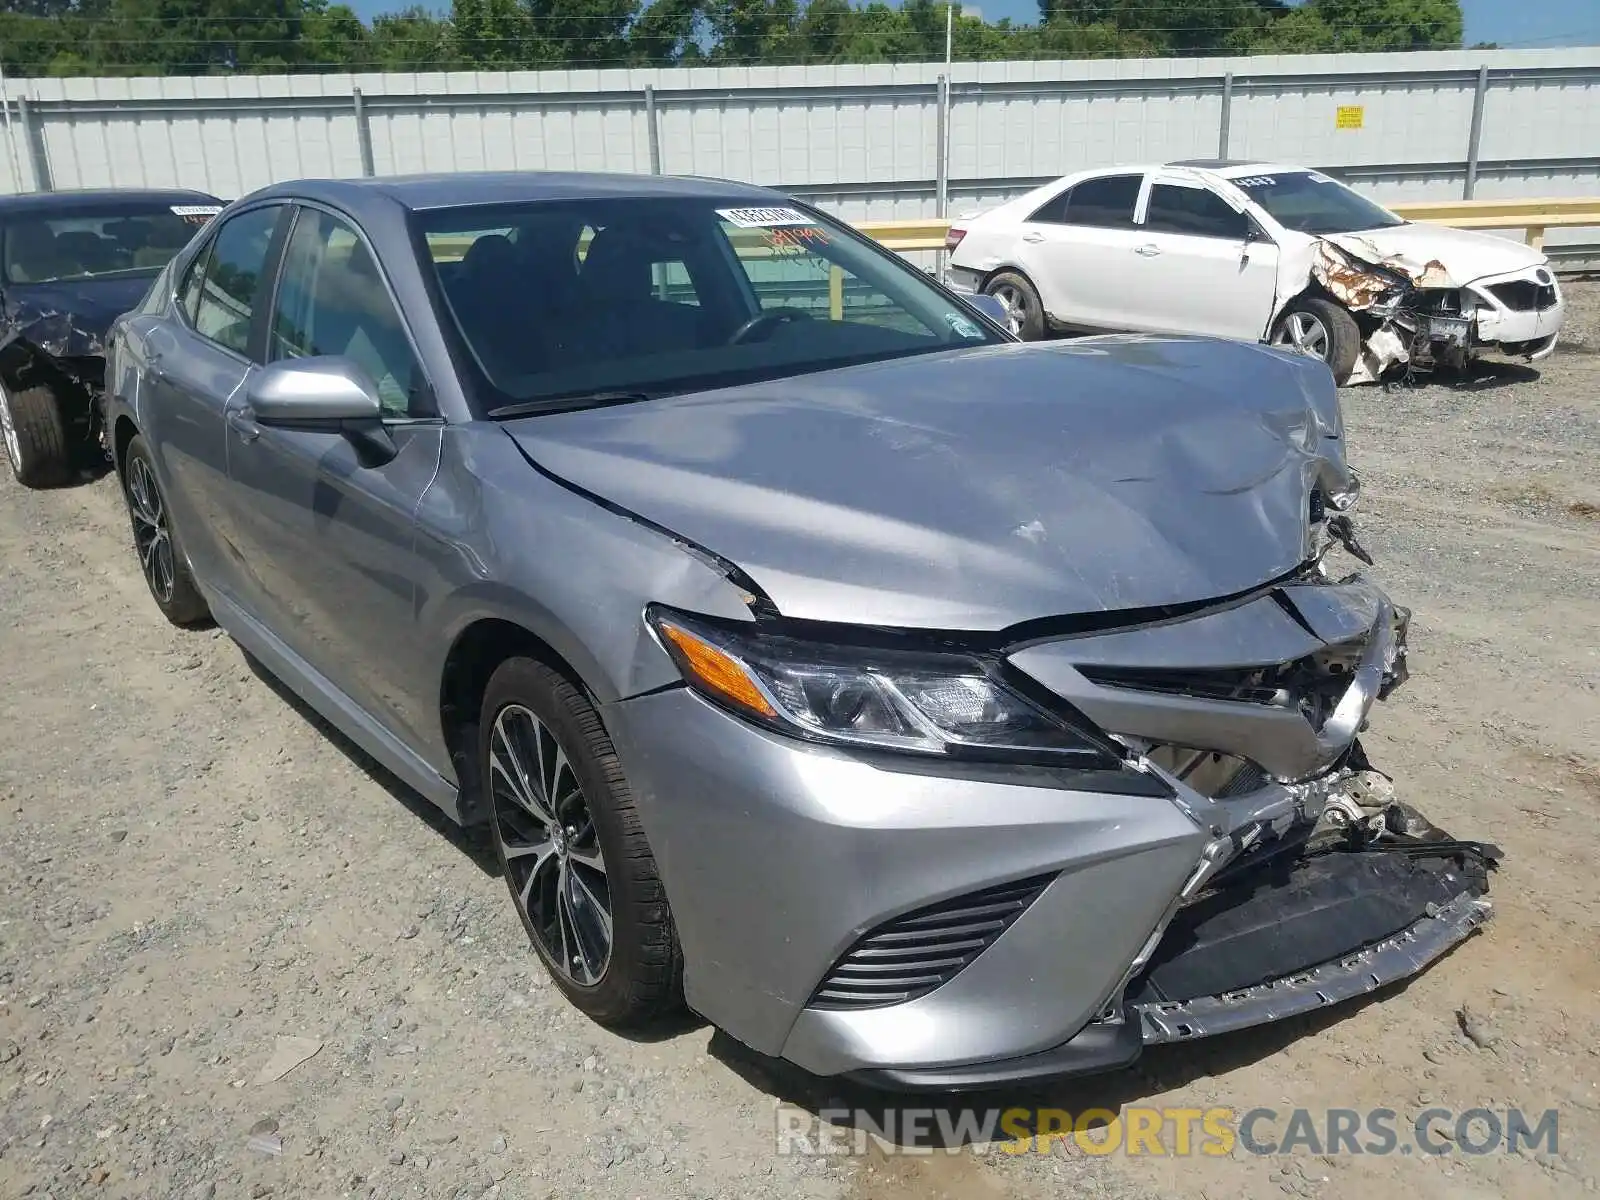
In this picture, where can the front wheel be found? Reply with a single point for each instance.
(581, 874)
(35, 433)
(1322, 330)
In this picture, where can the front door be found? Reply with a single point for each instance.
(327, 526)
(1197, 268)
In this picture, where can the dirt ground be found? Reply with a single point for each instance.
(193, 869)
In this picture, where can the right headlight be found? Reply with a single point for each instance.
(909, 701)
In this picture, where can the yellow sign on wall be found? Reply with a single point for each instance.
(1350, 116)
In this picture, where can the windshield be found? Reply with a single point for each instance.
(125, 239)
(658, 294)
(1309, 202)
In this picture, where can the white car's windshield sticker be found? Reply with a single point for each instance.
(764, 218)
(1256, 181)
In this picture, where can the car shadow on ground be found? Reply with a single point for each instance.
(1161, 1069)
(473, 842)
(1480, 375)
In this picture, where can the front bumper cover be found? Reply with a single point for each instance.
(790, 865)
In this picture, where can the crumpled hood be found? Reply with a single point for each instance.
(1458, 256)
(68, 319)
(978, 488)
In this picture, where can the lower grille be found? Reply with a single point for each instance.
(1523, 295)
(911, 955)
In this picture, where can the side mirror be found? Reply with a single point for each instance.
(313, 391)
(994, 310)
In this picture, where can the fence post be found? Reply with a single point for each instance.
(652, 129)
(33, 138)
(1476, 135)
(942, 163)
(363, 132)
(1227, 115)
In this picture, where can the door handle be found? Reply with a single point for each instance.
(1033, 237)
(239, 421)
(152, 366)
(1148, 250)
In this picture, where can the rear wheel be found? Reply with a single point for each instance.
(161, 557)
(35, 434)
(1323, 330)
(581, 874)
(1022, 303)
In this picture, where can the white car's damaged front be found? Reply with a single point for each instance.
(1422, 295)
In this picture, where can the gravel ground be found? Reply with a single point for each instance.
(195, 870)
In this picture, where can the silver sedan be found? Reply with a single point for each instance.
(913, 703)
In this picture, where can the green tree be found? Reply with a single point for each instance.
(412, 39)
(489, 33)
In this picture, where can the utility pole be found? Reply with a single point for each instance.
(11, 141)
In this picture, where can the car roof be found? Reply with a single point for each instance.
(463, 188)
(93, 199)
(1234, 168)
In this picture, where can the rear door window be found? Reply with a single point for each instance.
(1106, 202)
(235, 271)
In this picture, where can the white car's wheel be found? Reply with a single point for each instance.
(1322, 330)
(1021, 301)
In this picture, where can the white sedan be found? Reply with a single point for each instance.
(1256, 251)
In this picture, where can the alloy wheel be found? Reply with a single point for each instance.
(550, 846)
(8, 428)
(1304, 332)
(150, 535)
(1011, 297)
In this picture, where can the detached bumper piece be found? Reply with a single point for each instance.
(1277, 942)
(1270, 942)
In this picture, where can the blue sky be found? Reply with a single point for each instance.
(1534, 23)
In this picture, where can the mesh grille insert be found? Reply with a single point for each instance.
(911, 955)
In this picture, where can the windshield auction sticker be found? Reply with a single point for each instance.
(197, 214)
(763, 218)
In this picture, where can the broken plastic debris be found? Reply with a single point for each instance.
(264, 1137)
(290, 1053)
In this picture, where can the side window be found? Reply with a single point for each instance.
(193, 278)
(1104, 203)
(1194, 211)
(1054, 210)
(232, 284)
(332, 301)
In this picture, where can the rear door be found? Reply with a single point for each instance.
(192, 365)
(1201, 265)
(1078, 248)
(326, 526)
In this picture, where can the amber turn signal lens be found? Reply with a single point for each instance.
(720, 672)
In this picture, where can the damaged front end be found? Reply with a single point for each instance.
(47, 345)
(1416, 317)
(1318, 883)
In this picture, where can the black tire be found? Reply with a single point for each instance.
(1341, 337)
(171, 586)
(1016, 292)
(642, 980)
(37, 445)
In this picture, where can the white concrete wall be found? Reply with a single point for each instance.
(860, 139)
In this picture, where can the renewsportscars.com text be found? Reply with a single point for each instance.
(1167, 1132)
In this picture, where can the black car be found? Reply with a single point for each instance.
(70, 264)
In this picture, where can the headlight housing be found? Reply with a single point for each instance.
(909, 701)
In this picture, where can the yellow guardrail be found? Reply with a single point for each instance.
(1535, 216)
